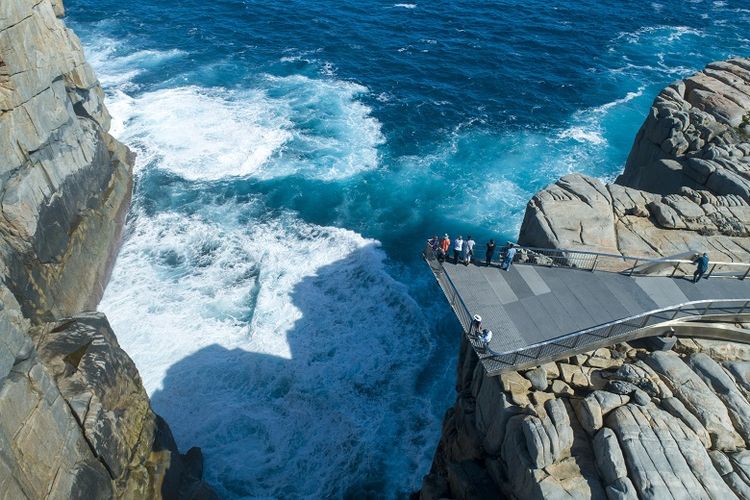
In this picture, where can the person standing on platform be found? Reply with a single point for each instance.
(490, 252)
(458, 247)
(434, 243)
(510, 254)
(469, 250)
(445, 246)
(702, 263)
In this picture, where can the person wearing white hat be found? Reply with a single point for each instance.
(445, 246)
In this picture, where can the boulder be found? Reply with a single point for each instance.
(538, 378)
(573, 375)
(664, 458)
(698, 398)
(574, 212)
(589, 413)
(561, 388)
(609, 458)
(723, 386)
(558, 414)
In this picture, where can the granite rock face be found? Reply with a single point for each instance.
(75, 421)
(688, 440)
(66, 183)
(625, 422)
(686, 183)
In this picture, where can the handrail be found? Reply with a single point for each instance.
(445, 282)
(625, 257)
(591, 261)
(613, 332)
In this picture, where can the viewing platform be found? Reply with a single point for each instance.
(552, 304)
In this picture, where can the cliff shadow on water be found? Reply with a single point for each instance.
(290, 427)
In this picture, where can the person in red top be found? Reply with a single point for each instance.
(445, 244)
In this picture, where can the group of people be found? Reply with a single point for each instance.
(463, 250)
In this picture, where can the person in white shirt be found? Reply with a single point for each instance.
(458, 246)
(469, 250)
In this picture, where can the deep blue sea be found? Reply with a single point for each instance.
(292, 159)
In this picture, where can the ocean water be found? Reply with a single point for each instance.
(293, 157)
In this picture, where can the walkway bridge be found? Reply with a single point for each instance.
(553, 304)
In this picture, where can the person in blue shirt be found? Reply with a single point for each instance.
(510, 253)
(702, 263)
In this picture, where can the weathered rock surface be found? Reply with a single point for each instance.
(687, 439)
(75, 421)
(685, 187)
(624, 422)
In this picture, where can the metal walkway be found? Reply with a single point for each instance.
(559, 306)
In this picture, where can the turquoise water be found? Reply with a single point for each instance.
(292, 158)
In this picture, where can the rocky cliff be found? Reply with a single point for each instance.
(686, 183)
(75, 421)
(626, 422)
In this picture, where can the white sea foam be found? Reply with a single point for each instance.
(627, 98)
(586, 124)
(661, 33)
(315, 128)
(405, 5)
(582, 134)
(116, 69)
(202, 133)
(257, 342)
(334, 135)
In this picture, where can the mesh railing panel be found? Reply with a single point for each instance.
(617, 331)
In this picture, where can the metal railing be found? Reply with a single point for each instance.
(645, 266)
(449, 289)
(620, 330)
(616, 331)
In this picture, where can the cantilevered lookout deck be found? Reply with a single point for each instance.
(562, 305)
